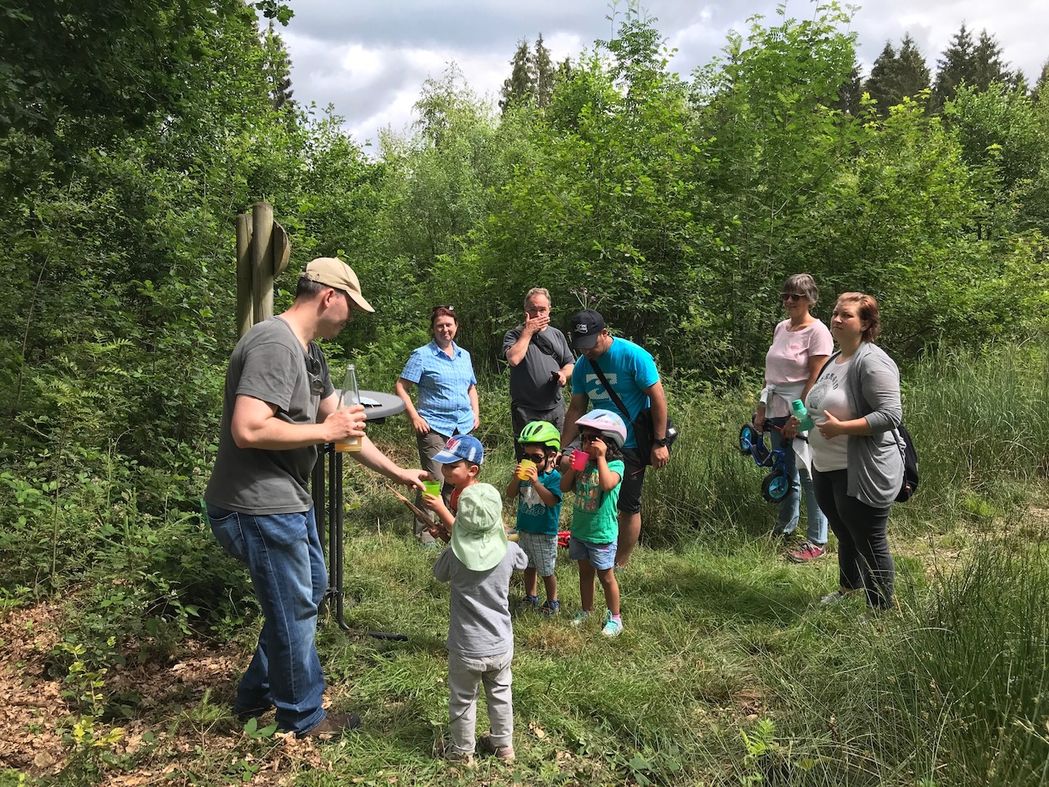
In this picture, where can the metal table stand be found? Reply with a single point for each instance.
(328, 509)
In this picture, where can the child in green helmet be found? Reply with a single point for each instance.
(536, 483)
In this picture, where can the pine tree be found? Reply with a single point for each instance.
(881, 83)
(543, 69)
(1042, 85)
(957, 65)
(520, 86)
(277, 67)
(989, 67)
(912, 72)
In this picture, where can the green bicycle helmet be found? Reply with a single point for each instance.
(541, 433)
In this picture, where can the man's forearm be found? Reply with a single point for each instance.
(374, 459)
(517, 351)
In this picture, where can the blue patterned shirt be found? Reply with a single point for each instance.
(444, 387)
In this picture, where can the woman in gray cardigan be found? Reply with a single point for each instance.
(858, 466)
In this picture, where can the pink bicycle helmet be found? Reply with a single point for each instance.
(609, 424)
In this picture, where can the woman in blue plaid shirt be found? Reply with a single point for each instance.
(447, 394)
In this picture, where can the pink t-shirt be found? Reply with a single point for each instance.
(787, 361)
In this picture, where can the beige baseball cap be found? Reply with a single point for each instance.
(333, 272)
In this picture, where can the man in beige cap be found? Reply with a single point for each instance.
(279, 404)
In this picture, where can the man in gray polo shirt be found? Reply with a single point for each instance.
(279, 404)
(541, 362)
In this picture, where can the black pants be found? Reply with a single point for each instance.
(521, 415)
(863, 538)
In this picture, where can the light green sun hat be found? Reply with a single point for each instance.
(478, 538)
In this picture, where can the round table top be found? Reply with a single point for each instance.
(379, 405)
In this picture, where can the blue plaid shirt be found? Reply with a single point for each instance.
(444, 387)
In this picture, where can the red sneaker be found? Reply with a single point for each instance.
(807, 552)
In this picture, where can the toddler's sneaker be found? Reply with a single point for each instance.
(612, 627)
(551, 607)
(581, 617)
(504, 753)
(807, 552)
(836, 597)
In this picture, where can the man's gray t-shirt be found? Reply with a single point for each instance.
(531, 381)
(269, 364)
(479, 621)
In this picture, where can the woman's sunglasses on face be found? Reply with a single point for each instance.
(791, 296)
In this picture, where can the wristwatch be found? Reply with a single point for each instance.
(662, 442)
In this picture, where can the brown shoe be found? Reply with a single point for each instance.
(332, 725)
(460, 758)
(504, 753)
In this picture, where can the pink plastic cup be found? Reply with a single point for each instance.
(579, 459)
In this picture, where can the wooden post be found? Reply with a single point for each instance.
(262, 261)
(245, 311)
(263, 250)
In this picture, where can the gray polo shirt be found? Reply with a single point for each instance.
(479, 622)
(269, 364)
(531, 381)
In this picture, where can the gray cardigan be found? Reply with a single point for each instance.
(875, 468)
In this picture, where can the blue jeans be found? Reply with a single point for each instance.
(790, 506)
(283, 555)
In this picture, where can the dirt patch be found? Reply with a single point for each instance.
(30, 726)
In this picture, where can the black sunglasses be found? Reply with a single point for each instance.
(790, 296)
(537, 458)
(313, 372)
(439, 308)
(590, 436)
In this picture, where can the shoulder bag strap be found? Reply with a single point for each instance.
(611, 391)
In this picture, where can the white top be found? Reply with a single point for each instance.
(829, 394)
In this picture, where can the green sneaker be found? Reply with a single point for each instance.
(581, 617)
(612, 627)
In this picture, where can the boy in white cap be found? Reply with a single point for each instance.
(478, 564)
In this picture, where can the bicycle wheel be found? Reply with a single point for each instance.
(775, 487)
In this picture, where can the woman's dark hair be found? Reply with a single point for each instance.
(867, 310)
(803, 284)
(442, 311)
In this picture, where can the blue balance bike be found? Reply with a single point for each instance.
(776, 484)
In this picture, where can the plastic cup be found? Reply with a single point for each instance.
(579, 459)
(351, 445)
(523, 468)
(432, 488)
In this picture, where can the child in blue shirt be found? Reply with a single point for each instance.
(538, 510)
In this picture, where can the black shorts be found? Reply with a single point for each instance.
(633, 480)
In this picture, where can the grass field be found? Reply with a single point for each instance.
(728, 672)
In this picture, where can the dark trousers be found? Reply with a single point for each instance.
(521, 415)
(863, 538)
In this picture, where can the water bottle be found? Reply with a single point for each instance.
(804, 419)
(351, 395)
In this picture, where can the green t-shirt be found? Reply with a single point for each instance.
(595, 517)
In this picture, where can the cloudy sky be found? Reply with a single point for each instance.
(369, 58)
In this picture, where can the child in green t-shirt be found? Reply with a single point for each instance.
(595, 520)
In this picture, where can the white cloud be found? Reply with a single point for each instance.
(370, 59)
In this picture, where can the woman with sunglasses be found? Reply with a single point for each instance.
(801, 345)
(448, 402)
(855, 404)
